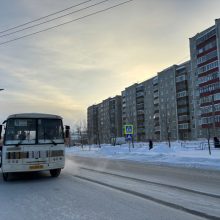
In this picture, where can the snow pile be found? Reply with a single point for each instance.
(187, 154)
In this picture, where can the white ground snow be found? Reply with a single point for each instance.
(187, 154)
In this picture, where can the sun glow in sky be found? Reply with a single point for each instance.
(67, 69)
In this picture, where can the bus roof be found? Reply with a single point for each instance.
(34, 115)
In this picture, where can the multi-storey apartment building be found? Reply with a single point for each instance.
(92, 124)
(105, 120)
(205, 53)
(181, 102)
(159, 108)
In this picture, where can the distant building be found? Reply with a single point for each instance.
(159, 108)
(92, 124)
(182, 102)
(105, 120)
(205, 53)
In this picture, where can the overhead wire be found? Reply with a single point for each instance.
(41, 18)
(64, 23)
(53, 19)
(183, 59)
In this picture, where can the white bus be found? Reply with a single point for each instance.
(33, 142)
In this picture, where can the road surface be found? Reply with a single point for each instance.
(107, 189)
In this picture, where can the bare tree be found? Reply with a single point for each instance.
(81, 130)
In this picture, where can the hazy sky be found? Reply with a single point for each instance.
(67, 69)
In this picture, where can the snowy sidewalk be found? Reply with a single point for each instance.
(189, 154)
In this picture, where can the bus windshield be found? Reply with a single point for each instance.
(33, 131)
(50, 130)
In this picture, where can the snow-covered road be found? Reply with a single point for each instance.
(107, 189)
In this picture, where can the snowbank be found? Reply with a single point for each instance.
(187, 154)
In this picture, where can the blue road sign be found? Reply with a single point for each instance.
(128, 137)
(129, 129)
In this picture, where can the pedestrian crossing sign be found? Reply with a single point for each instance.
(128, 129)
(128, 137)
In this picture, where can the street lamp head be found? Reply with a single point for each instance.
(1, 89)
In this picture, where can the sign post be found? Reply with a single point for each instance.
(129, 131)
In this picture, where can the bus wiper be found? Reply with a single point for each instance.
(48, 136)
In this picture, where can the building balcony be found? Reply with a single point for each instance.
(140, 94)
(140, 120)
(155, 89)
(184, 126)
(155, 81)
(140, 112)
(139, 101)
(181, 87)
(140, 88)
(156, 95)
(140, 106)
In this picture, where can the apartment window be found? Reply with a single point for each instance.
(155, 80)
(156, 94)
(206, 36)
(207, 57)
(156, 101)
(183, 118)
(180, 78)
(208, 67)
(184, 126)
(206, 109)
(181, 94)
(208, 78)
(217, 96)
(209, 88)
(182, 110)
(182, 102)
(209, 120)
(207, 47)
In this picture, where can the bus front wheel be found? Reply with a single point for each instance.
(5, 176)
(55, 172)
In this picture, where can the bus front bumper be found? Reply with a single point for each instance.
(11, 168)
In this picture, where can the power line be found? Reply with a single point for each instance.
(80, 18)
(183, 59)
(38, 19)
(44, 22)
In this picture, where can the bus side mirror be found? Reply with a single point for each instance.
(67, 131)
(0, 132)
